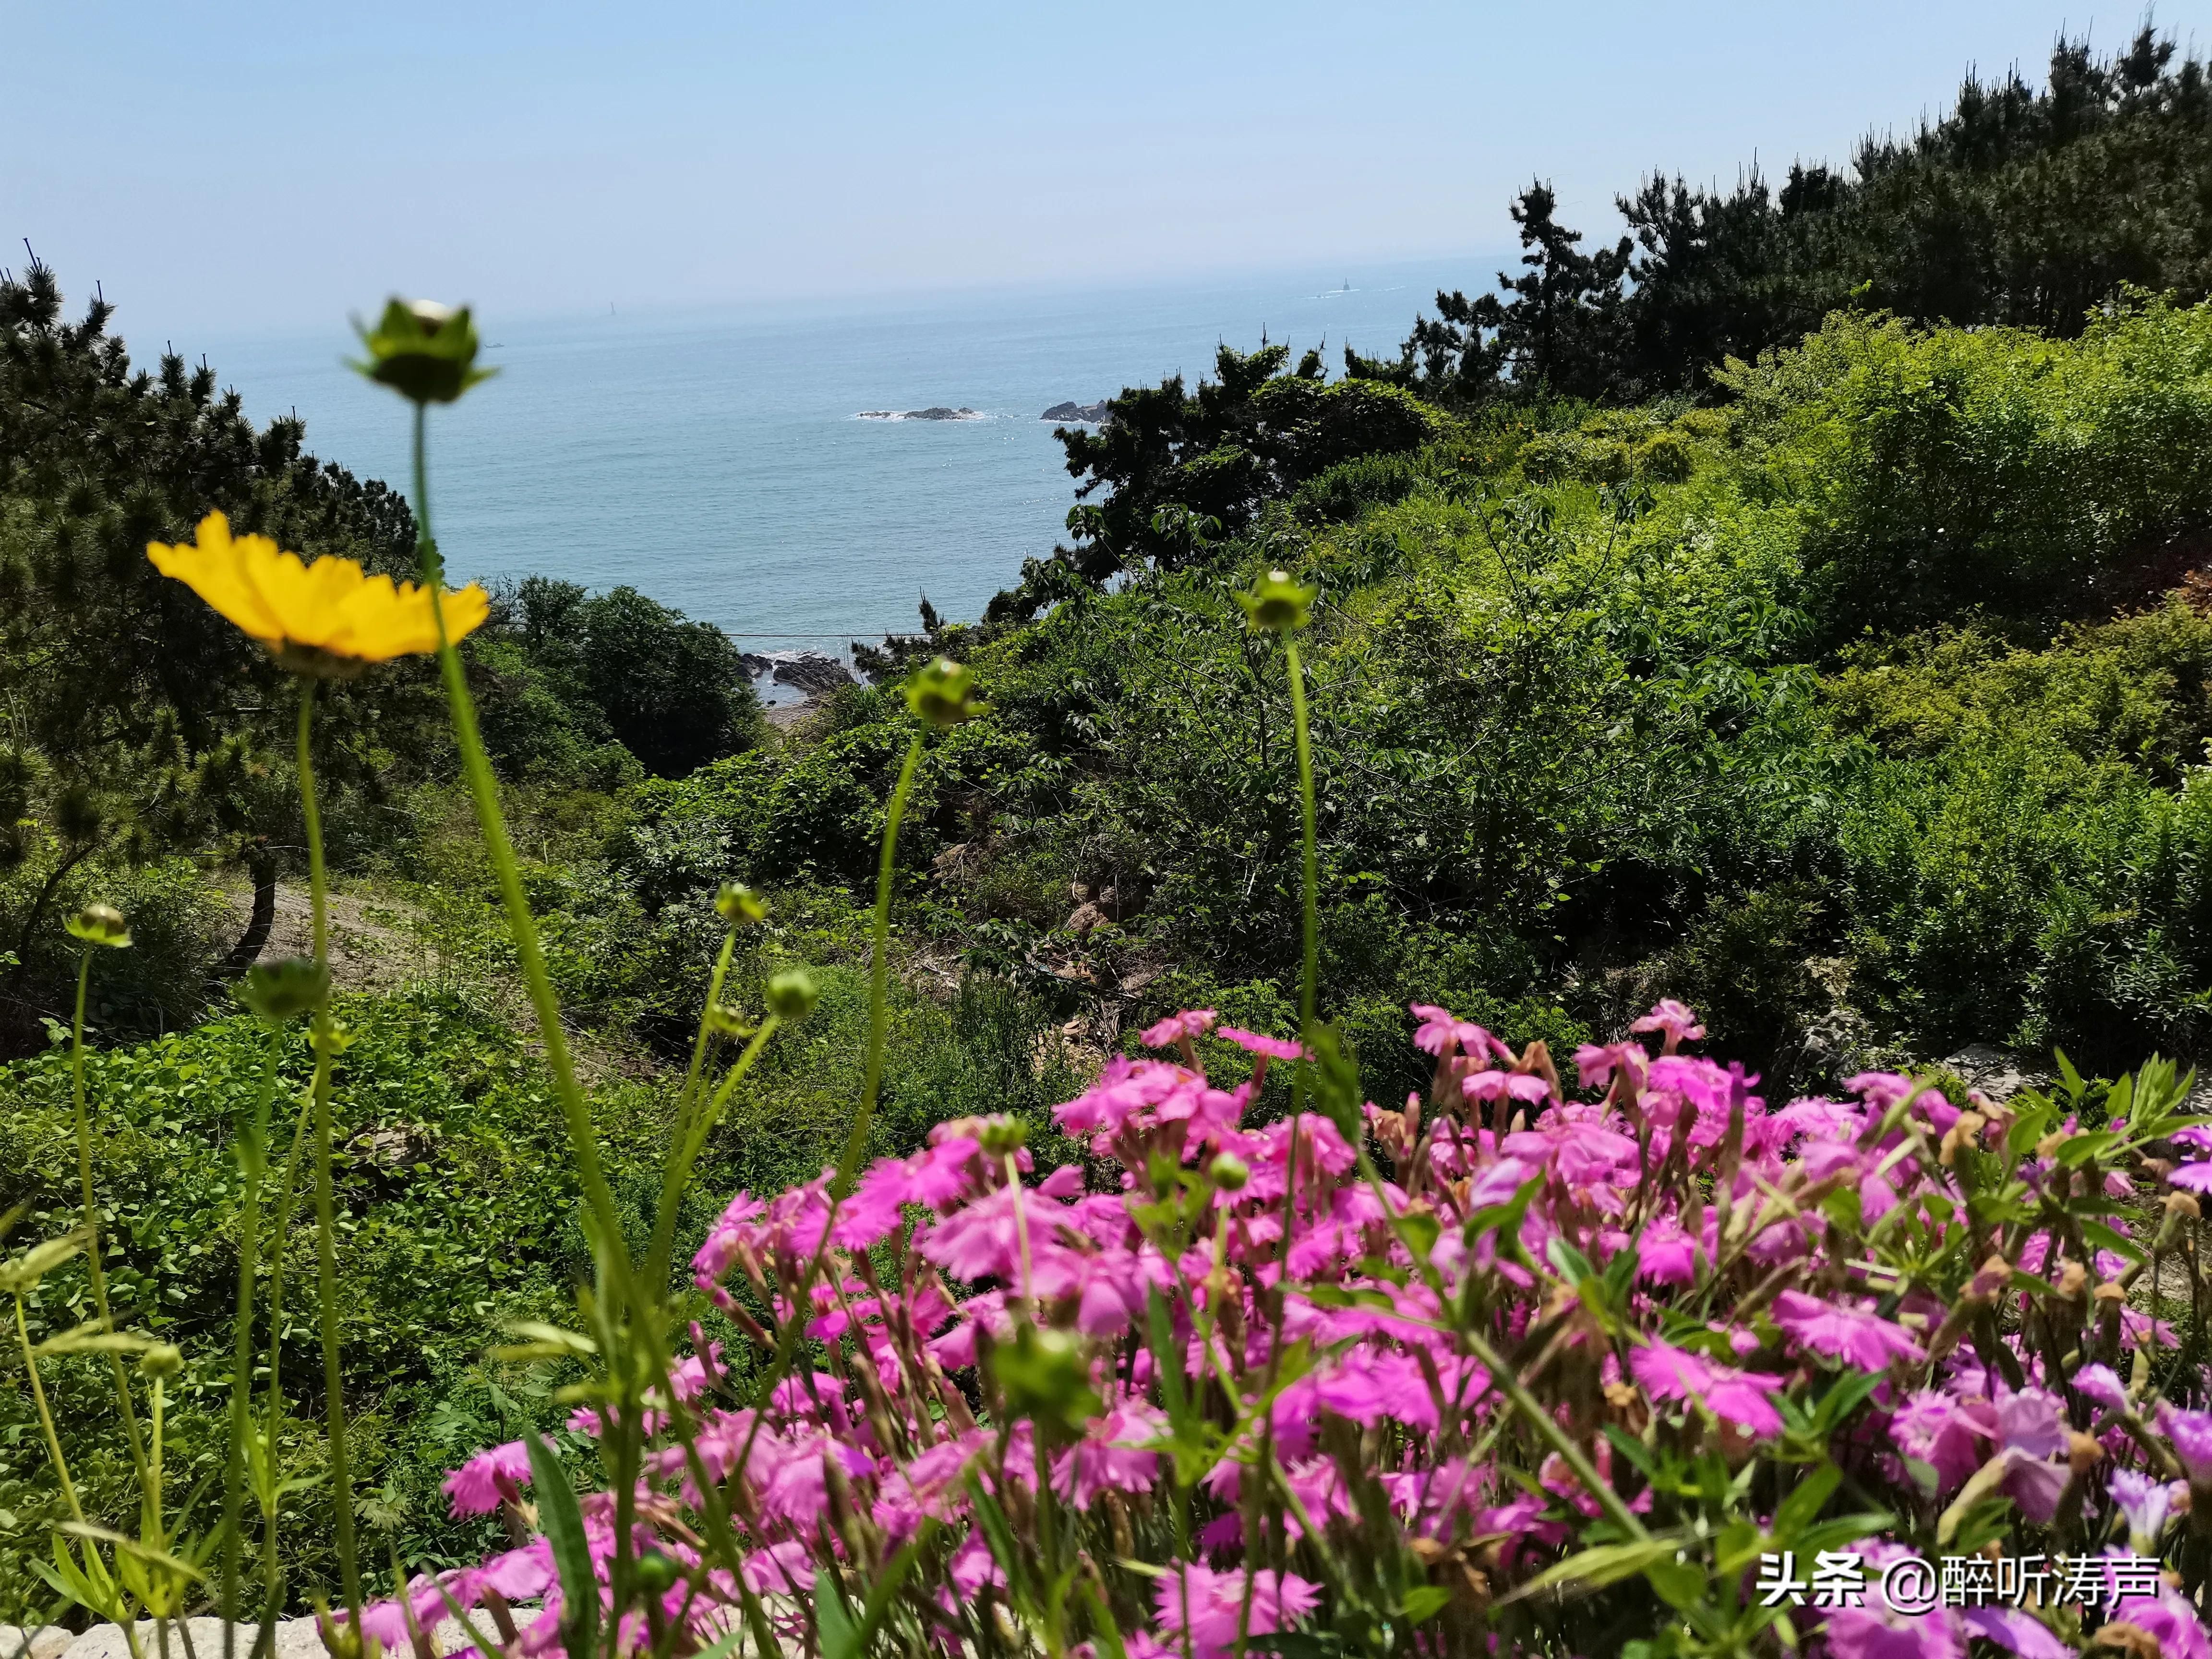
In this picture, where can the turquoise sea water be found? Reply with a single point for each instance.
(714, 458)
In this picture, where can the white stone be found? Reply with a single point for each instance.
(189, 1638)
(298, 1638)
(50, 1642)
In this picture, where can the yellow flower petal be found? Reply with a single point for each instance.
(330, 606)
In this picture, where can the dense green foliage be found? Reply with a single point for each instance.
(2026, 207)
(457, 1212)
(1800, 707)
(142, 725)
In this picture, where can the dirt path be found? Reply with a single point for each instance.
(377, 945)
(369, 947)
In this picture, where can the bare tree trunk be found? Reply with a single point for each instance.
(263, 868)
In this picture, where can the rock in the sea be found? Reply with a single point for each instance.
(934, 412)
(810, 670)
(1095, 414)
(754, 664)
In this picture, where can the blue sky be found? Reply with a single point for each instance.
(227, 166)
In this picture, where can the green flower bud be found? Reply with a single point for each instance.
(424, 351)
(942, 694)
(1002, 1135)
(100, 924)
(657, 1573)
(1046, 1379)
(740, 905)
(1230, 1172)
(1277, 604)
(163, 1359)
(726, 1021)
(792, 993)
(290, 985)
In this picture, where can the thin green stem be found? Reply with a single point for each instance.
(699, 1044)
(252, 1148)
(692, 1140)
(92, 1245)
(1309, 976)
(1310, 972)
(879, 977)
(326, 1269)
(787, 1340)
(45, 1413)
(608, 1245)
(272, 1562)
(153, 1529)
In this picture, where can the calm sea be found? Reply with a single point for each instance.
(716, 459)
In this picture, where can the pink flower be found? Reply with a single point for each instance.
(1252, 1042)
(1665, 1255)
(1944, 1433)
(1515, 1085)
(1877, 1630)
(1110, 1457)
(1596, 1063)
(1836, 1331)
(1667, 1372)
(1671, 1017)
(1215, 1600)
(2146, 1501)
(784, 1568)
(2017, 1631)
(521, 1574)
(475, 1488)
(1442, 1032)
(2102, 1385)
(2170, 1621)
(1191, 1024)
(2191, 1435)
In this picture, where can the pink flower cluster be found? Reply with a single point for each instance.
(1233, 1378)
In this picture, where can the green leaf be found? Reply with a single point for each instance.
(1593, 1569)
(1420, 1232)
(1681, 1584)
(841, 1639)
(562, 1518)
(24, 1270)
(1423, 1603)
(91, 1338)
(1795, 1512)
(1979, 1485)
(2077, 1150)
(2110, 1238)
(133, 1548)
(1167, 1357)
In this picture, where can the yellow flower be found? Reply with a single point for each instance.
(325, 618)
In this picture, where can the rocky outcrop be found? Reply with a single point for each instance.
(2000, 1073)
(1077, 413)
(810, 670)
(934, 412)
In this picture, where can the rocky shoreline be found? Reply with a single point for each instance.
(1074, 414)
